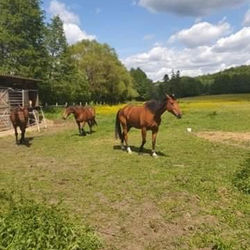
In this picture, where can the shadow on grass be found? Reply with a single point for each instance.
(27, 142)
(84, 134)
(137, 150)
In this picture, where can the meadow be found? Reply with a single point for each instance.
(195, 195)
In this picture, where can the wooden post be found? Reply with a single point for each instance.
(36, 119)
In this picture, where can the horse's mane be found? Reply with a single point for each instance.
(154, 105)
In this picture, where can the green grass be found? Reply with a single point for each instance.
(190, 197)
(29, 225)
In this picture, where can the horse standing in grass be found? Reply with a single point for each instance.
(146, 117)
(19, 118)
(82, 115)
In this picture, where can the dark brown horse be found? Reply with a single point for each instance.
(19, 118)
(82, 115)
(146, 117)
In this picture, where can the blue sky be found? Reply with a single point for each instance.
(193, 36)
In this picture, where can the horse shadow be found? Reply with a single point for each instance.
(84, 134)
(27, 142)
(137, 150)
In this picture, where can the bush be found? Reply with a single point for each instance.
(29, 225)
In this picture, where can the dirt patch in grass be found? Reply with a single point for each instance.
(232, 138)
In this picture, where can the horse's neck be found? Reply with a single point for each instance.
(161, 109)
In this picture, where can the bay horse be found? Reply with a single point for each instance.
(82, 115)
(145, 117)
(19, 118)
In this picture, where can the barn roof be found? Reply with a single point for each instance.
(19, 82)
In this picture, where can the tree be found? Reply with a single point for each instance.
(56, 45)
(22, 49)
(108, 79)
(142, 84)
(165, 78)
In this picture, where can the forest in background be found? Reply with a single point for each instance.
(89, 71)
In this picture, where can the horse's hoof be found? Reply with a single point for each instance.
(129, 150)
(154, 155)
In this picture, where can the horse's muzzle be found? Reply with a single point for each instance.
(179, 116)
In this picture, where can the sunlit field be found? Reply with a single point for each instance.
(195, 195)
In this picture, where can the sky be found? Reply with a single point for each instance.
(194, 36)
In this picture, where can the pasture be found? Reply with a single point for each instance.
(195, 195)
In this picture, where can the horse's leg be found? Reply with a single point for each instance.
(143, 135)
(16, 134)
(23, 134)
(83, 131)
(79, 127)
(154, 134)
(90, 126)
(125, 136)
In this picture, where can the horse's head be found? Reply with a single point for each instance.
(67, 112)
(172, 106)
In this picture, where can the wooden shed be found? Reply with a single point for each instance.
(15, 91)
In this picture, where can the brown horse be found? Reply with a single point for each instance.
(146, 117)
(19, 118)
(82, 115)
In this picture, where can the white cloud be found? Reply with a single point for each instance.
(235, 43)
(189, 7)
(230, 51)
(246, 21)
(74, 33)
(202, 33)
(71, 22)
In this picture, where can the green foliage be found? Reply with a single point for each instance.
(108, 79)
(29, 225)
(142, 84)
(242, 178)
(180, 86)
(22, 49)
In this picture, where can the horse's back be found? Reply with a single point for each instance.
(85, 113)
(133, 115)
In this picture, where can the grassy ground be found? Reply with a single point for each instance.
(190, 197)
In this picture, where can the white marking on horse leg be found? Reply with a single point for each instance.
(154, 155)
(122, 147)
(129, 150)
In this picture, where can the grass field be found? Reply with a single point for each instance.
(195, 195)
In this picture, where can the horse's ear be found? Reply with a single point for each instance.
(173, 96)
(167, 96)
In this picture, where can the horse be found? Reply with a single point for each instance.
(19, 118)
(145, 117)
(82, 115)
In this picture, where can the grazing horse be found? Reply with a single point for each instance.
(82, 115)
(146, 117)
(19, 118)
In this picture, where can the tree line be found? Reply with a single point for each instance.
(233, 80)
(85, 71)
(88, 70)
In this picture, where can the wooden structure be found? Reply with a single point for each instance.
(17, 91)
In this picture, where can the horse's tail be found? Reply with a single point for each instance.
(118, 131)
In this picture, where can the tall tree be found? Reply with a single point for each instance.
(142, 84)
(22, 49)
(56, 45)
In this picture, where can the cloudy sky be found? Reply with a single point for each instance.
(193, 36)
